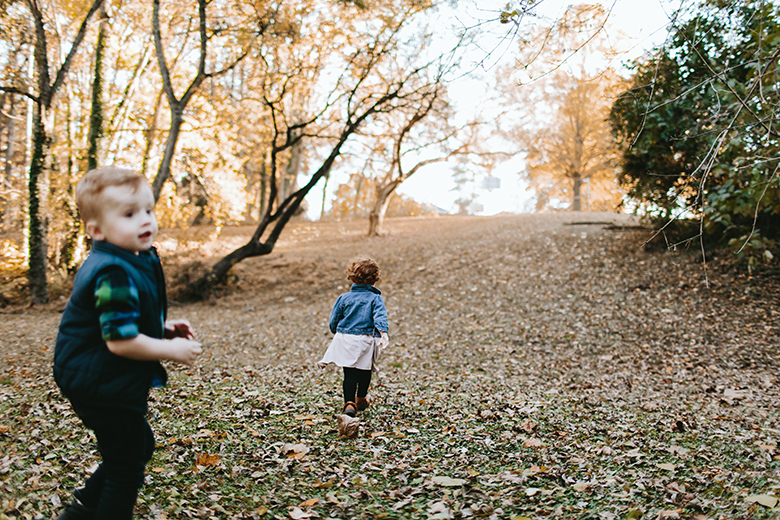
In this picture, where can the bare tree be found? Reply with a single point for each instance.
(177, 105)
(361, 93)
(446, 140)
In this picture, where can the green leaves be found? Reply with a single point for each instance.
(693, 123)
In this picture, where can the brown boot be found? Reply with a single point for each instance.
(350, 409)
(363, 403)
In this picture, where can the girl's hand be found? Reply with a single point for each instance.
(178, 329)
(384, 340)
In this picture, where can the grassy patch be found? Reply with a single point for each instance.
(263, 444)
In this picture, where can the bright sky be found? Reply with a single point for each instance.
(644, 21)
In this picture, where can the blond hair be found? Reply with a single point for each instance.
(89, 190)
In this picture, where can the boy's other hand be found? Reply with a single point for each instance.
(184, 351)
(178, 329)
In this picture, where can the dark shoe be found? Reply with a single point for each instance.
(350, 409)
(363, 403)
(77, 511)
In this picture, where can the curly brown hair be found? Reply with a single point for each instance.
(363, 270)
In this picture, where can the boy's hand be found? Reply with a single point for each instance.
(184, 351)
(178, 329)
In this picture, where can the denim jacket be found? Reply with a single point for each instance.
(360, 311)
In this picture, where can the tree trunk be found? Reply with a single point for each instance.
(164, 171)
(11, 210)
(289, 178)
(177, 106)
(261, 191)
(357, 194)
(577, 188)
(149, 134)
(74, 232)
(376, 216)
(96, 114)
(324, 195)
(38, 239)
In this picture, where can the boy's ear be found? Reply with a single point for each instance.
(93, 230)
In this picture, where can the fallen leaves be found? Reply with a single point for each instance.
(297, 514)
(448, 482)
(348, 426)
(533, 374)
(533, 442)
(764, 500)
(205, 459)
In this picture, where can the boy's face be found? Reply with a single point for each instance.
(127, 219)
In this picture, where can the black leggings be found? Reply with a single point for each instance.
(356, 383)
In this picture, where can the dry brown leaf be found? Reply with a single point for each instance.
(296, 451)
(765, 500)
(205, 459)
(324, 485)
(348, 426)
(297, 514)
(529, 425)
(533, 442)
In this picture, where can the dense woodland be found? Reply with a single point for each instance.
(239, 112)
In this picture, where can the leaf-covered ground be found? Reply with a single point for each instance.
(539, 367)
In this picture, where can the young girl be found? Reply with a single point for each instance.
(359, 322)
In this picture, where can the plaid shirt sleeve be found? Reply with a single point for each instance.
(116, 299)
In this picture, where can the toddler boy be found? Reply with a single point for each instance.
(112, 336)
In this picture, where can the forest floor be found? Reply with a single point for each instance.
(540, 366)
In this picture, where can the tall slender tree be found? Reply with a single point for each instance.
(42, 103)
(96, 113)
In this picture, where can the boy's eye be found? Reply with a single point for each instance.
(128, 214)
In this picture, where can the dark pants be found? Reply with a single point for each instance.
(356, 383)
(126, 443)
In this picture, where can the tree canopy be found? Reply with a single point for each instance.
(557, 95)
(699, 124)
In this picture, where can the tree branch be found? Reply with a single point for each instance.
(76, 43)
(14, 90)
(164, 72)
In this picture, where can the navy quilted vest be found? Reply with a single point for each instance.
(85, 370)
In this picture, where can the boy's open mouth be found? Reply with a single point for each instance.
(145, 235)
